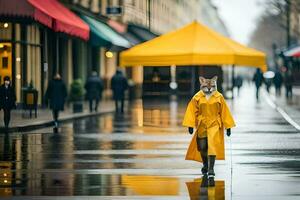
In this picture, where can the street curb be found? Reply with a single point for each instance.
(48, 123)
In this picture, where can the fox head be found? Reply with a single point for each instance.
(208, 86)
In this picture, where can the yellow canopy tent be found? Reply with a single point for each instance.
(194, 44)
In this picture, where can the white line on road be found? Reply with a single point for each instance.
(281, 111)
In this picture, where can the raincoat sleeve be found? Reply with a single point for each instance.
(190, 116)
(227, 119)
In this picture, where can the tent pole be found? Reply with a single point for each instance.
(232, 81)
(193, 80)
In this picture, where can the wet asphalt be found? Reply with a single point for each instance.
(140, 155)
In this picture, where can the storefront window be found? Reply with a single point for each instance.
(5, 60)
(156, 80)
(5, 31)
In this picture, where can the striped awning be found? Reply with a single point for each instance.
(103, 35)
(50, 13)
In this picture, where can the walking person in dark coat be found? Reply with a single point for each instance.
(278, 79)
(288, 82)
(119, 85)
(94, 88)
(238, 82)
(268, 83)
(56, 93)
(258, 80)
(7, 100)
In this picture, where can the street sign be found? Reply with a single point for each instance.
(114, 10)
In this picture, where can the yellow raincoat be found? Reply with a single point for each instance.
(209, 118)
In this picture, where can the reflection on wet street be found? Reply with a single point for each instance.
(199, 188)
(141, 153)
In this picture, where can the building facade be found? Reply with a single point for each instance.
(162, 16)
(32, 49)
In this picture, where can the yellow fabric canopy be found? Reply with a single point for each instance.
(194, 44)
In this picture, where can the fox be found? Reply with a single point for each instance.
(209, 114)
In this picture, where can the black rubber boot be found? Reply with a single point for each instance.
(211, 172)
(204, 169)
(211, 165)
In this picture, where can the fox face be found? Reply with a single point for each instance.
(208, 86)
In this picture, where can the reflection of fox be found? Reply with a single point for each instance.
(199, 189)
(209, 114)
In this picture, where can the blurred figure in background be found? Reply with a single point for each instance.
(258, 80)
(268, 82)
(238, 82)
(56, 93)
(7, 100)
(156, 75)
(278, 79)
(94, 88)
(119, 85)
(288, 82)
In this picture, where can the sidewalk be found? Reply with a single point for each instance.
(20, 120)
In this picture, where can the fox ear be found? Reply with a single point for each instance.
(201, 79)
(215, 78)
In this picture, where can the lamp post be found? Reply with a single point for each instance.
(288, 17)
(149, 13)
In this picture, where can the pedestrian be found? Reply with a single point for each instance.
(268, 82)
(288, 82)
(7, 100)
(94, 88)
(238, 83)
(258, 80)
(209, 114)
(56, 93)
(119, 85)
(156, 75)
(278, 79)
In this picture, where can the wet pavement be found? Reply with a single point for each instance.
(21, 120)
(140, 155)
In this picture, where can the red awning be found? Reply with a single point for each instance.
(56, 16)
(120, 28)
(48, 12)
(293, 52)
(16, 8)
